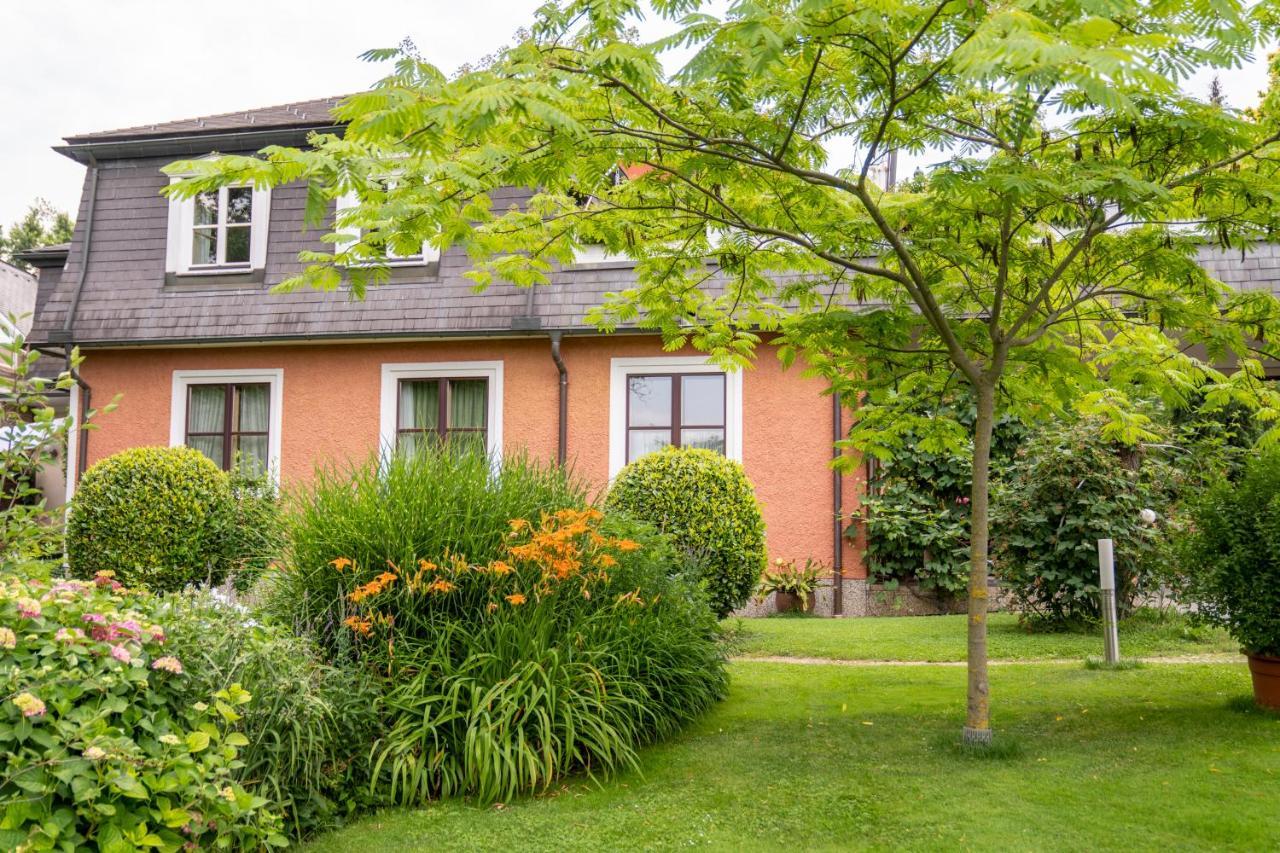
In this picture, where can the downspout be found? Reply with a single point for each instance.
(67, 325)
(562, 445)
(837, 508)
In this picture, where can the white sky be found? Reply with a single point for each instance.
(75, 66)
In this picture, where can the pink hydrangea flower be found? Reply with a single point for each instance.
(168, 663)
(68, 635)
(127, 627)
(97, 618)
(120, 653)
(29, 705)
(102, 634)
(28, 608)
(157, 635)
(8, 639)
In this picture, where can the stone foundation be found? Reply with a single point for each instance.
(862, 598)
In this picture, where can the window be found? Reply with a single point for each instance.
(352, 234)
(230, 422)
(220, 231)
(672, 400)
(686, 410)
(440, 400)
(430, 409)
(229, 415)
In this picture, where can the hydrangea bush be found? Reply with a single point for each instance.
(99, 746)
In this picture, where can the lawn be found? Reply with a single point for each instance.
(826, 757)
(942, 638)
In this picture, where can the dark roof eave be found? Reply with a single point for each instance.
(190, 143)
(343, 337)
(45, 256)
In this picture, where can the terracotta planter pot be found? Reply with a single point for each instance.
(787, 602)
(1266, 680)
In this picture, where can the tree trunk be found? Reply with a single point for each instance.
(977, 727)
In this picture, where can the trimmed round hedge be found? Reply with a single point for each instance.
(707, 506)
(158, 517)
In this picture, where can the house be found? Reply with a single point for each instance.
(168, 301)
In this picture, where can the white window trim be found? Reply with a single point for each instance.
(393, 373)
(351, 235)
(180, 235)
(620, 368)
(73, 443)
(182, 379)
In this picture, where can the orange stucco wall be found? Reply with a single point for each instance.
(332, 399)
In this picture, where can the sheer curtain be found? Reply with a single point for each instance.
(206, 414)
(467, 403)
(254, 416)
(419, 410)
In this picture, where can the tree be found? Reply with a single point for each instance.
(43, 225)
(1046, 261)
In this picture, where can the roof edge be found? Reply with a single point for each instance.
(45, 256)
(191, 143)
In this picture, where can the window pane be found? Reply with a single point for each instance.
(642, 441)
(252, 452)
(206, 209)
(238, 245)
(209, 445)
(710, 439)
(409, 442)
(204, 246)
(255, 404)
(467, 400)
(239, 204)
(649, 401)
(702, 399)
(207, 409)
(419, 404)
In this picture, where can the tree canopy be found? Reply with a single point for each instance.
(1047, 260)
(42, 225)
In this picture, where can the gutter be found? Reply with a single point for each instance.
(837, 508)
(562, 440)
(192, 143)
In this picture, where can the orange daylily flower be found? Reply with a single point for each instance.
(498, 567)
(341, 563)
(515, 599)
(627, 545)
(361, 626)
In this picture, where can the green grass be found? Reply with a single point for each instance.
(828, 757)
(942, 638)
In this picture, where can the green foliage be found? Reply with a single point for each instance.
(1232, 555)
(102, 744)
(255, 534)
(157, 516)
(1065, 489)
(784, 577)
(562, 645)
(42, 225)
(707, 506)
(309, 726)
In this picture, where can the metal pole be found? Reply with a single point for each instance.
(1107, 585)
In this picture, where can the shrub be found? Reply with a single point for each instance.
(517, 640)
(255, 536)
(705, 503)
(310, 723)
(101, 744)
(1232, 555)
(1066, 488)
(157, 516)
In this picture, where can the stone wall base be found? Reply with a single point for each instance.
(862, 598)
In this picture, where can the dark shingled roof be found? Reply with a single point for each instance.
(314, 113)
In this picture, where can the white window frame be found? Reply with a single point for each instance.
(621, 368)
(181, 235)
(393, 373)
(273, 376)
(351, 235)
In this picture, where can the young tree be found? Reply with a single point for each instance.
(1046, 261)
(42, 225)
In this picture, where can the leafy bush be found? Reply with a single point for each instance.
(705, 503)
(519, 636)
(309, 725)
(1066, 488)
(157, 516)
(100, 741)
(1232, 555)
(255, 535)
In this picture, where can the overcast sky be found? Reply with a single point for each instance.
(74, 66)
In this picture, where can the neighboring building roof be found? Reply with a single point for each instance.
(17, 294)
(311, 113)
(46, 256)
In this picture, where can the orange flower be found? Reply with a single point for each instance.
(518, 524)
(606, 561)
(441, 585)
(498, 567)
(426, 566)
(515, 599)
(341, 563)
(627, 545)
(361, 626)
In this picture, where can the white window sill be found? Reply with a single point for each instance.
(227, 270)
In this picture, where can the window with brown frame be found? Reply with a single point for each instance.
(438, 409)
(683, 409)
(230, 421)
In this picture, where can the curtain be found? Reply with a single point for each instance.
(254, 416)
(419, 404)
(467, 401)
(205, 414)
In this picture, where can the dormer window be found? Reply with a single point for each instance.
(220, 231)
(373, 251)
